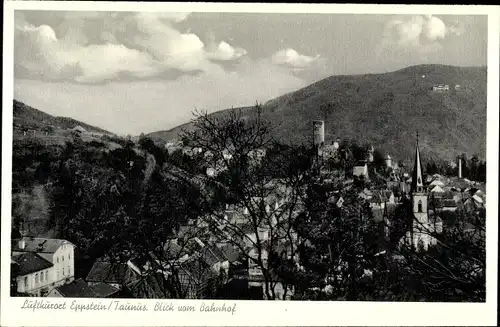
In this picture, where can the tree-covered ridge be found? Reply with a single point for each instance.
(385, 110)
(29, 118)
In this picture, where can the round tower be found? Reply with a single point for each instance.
(388, 161)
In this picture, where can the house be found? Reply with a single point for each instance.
(441, 87)
(191, 151)
(449, 205)
(437, 190)
(330, 150)
(214, 257)
(360, 169)
(256, 155)
(336, 199)
(230, 252)
(151, 286)
(32, 274)
(380, 198)
(474, 203)
(79, 129)
(197, 279)
(42, 264)
(114, 274)
(77, 288)
(103, 290)
(436, 182)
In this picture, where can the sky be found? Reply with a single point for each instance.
(133, 72)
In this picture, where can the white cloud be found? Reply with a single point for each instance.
(226, 52)
(420, 33)
(38, 51)
(291, 58)
(140, 45)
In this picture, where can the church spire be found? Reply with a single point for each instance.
(417, 176)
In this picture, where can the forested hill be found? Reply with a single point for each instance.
(28, 118)
(386, 110)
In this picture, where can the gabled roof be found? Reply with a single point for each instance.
(172, 250)
(437, 189)
(437, 182)
(79, 128)
(39, 245)
(209, 256)
(30, 262)
(112, 273)
(477, 199)
(151, 286)
(77, 288)
(197, 270)
(103, 290)
(230, 252)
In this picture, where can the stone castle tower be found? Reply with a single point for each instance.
(319, 133)
(369, 155)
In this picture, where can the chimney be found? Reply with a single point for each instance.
(22, 243)
(459, 167)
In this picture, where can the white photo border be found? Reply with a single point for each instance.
(260, 313)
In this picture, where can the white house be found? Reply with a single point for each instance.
(360, 169)
(42, 264)
(441, 87)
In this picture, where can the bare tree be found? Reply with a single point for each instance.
(262, 180)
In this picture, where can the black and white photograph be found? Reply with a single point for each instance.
(249, 156)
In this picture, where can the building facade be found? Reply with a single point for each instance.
(42, 264)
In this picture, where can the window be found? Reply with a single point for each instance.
(57, 259)
(25, 282)
(63, 258)
(63, 271)
(69, 256)
(420, 206)
(41, 277)
(69, 270)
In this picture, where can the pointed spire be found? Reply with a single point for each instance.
(417, 176)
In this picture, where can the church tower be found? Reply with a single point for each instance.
(418, 193)
(420, 229)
